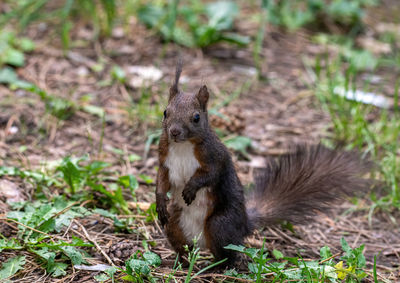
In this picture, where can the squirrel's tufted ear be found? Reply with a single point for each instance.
(203, 96)
(173, 90)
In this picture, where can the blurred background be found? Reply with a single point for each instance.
(83, 86)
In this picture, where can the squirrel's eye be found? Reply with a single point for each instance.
(196, 118)
(165, 114)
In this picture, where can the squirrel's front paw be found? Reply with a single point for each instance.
(188, 194)
(162, 214)
(161, 208)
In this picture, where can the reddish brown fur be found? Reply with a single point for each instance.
(162, 149)
(163, 184)
(174, 231)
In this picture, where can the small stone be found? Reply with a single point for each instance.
(82, 71)
(118, 32)
(13, 130)
(10, 191)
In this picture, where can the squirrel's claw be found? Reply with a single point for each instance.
(188, 195)
(162, 214)
(161, 209)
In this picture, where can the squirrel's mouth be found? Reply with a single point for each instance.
(178, 140)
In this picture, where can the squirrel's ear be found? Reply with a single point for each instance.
(203, 96)
(173, 90)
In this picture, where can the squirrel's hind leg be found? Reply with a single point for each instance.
(175, 234)
(220, 232)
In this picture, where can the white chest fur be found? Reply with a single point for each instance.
(182, 164)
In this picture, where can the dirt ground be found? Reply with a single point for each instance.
(275, 112)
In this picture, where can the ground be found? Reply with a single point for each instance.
(275, 112)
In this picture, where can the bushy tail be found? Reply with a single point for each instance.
(298, 185)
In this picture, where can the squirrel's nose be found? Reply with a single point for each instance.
(175, 132)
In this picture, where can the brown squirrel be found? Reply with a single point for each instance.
(207, 198)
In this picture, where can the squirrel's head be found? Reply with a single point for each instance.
(185, 118)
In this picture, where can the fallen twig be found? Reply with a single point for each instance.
(329, 258)
(95, 243)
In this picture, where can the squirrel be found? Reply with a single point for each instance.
(207, 199)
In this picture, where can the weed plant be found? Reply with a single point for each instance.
(350, 267)
(101, 14)
(352, 125)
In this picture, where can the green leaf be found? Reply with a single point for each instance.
(110, 8)
(129, 278)
(118, 196)
(101, 277)
(239, 144)
(277, 254)
(118, 74)
(17, 215)
(55, 268)
(325, 252)
(14, 57)
(57, 246)
(146, 179)
(100, 188)
(36, 176)
(206, 35)
(11, 266)
(104, 213)
(71, 173)
(152, 258)
(73, 254)
(345, 246)
(134, 157)
(58, 269)
(42, 213)
(78, 242)
(361, 258)
(360, 59)
(151, 213)
(293, 260)
(9, 244)
(253, 267)
(235, 248)
(235, 38)
(150, 14)
(129, 181)
(117, 151)
(65, 219)
(234, 273)
(8, 76)
(96, 166)
(11, 171)
(252, 252)
(94, 110)
(25, 44)
(329, 271)
(45, 254)
(221, 14)
(182, 37)
(60, 107)
(345, 11)
(48, 226)
(111, 271)
(138, 266)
